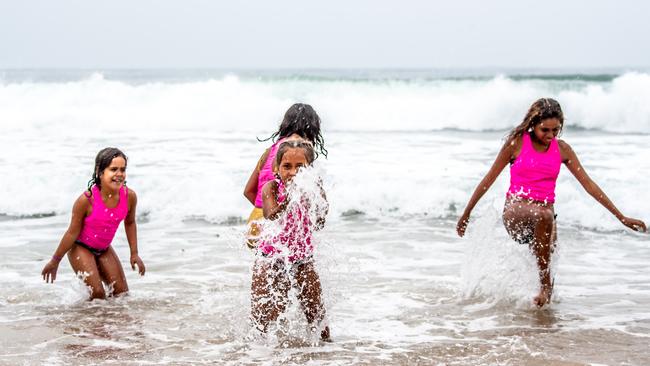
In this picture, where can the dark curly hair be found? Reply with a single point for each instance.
(303, 120)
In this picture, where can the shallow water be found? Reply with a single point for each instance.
(399, 286)
(405, 304)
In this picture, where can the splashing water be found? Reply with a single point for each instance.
(398, 285)
(497, 268)
(284, 267)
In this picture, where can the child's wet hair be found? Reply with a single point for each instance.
(303, 120)
(306, 146)
(102, 161)
(543, 108)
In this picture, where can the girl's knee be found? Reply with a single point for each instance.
(120, 288)
(94, 284)
(312, 306)
(314, 311)
(97, 292)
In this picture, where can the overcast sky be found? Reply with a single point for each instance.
(324, 34)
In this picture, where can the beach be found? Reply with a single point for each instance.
(406, 149)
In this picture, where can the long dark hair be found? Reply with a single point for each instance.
(303, 120)
(102, 161)
(543, 108)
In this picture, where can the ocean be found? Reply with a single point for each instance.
(406, 149)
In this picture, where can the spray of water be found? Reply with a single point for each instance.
(286, 289)
(496, 268)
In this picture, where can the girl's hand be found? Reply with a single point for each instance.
(49, 271)
(634, 224)
(462, 225)
(135, 260)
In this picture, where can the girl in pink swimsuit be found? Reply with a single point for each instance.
(96, 215)
(535, 156)
(300, 122)
(285, 258)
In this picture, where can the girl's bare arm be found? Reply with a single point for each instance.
(131, 229)
(250, 191)
(79, 212)
(270, 206)
(502, 159)
(570, 159)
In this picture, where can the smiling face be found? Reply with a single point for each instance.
(292, 160)
(545, 131)
(114, 175)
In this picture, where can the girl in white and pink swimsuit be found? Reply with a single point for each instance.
(285, 258)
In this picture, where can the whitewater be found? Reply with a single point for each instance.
(406, 149)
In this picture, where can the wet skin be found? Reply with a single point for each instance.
(527, 216)
(272, 278)
(105, 268)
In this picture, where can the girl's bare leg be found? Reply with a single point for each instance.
(83, 261)
(524, 218)
(269, 290)
(111, 271)
(543, 248)
(309, 294)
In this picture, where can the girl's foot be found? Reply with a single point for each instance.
(544, 296)
(325, 335)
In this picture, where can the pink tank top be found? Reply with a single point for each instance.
(533, 174)
(100, 226)
(296, 233)
(266, 172)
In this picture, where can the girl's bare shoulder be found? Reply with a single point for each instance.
(565, 150)
(512, 147)
(563, 144)
(83, 204)
(131, 193)
(513, 143)
(262, 160)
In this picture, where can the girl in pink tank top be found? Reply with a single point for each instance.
(535, 156)
(300, 122)
(533, 174)
(96, 216)
(285, 258)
